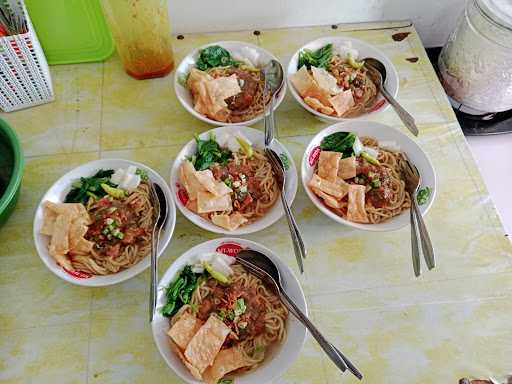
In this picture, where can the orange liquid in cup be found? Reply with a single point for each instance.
(142, 34)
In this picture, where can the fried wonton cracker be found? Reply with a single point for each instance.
(206, 343)
(328, 164)
(347, 168)
(318, 106)
(184, 329)
(328, 199)
(189, 180)
(230, 222)
(226, 361)
(356, 206)
(208, 202)
(211, 185)
(336, 190)
(193, 370)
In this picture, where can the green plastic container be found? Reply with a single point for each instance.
(11, 159)
(71, 31)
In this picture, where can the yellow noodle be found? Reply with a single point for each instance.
(98, 263)
(275, 313)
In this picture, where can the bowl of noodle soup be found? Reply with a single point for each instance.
(106, 239)
(265, 207)
(365, 191)
(340, 91)
(281, 340)
(242, 65)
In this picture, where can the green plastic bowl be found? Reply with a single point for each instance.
(8, 199)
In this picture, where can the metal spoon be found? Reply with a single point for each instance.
(379, 70)
(274, 76)
(160, 203)
(298, 244)
(263, 267)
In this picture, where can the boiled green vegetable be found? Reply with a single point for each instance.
(319, 58)
(116, 193)
(209, 152)
(215, 274)
(88, 187)
(285, 160)
(423, 195)
(339, 142)
(354, 63)
(143, 174)
(180, 291)
(214, 56)
(369, 158)
(240, 307)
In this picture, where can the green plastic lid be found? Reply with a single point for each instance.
(71, 31)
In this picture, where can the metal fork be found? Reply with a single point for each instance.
(298, 244)
(412, 180)
(334, 353)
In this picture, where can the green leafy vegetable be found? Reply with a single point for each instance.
(214, 56)
(226, 381)
(180, 291)
(240, 307)
(209, 152)
(285, 160)
(88, 187)
(319, 58)
(339, 142)
(143, 174)
(423, 195)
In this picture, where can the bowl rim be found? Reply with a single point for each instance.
(349, 125)
(113, 278)
(390, 67)
(191, 252)
(210, 227)
(193, 112)
(18, 165)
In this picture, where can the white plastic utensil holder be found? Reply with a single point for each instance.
(24, 75)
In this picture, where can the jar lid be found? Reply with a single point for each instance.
(500, 11)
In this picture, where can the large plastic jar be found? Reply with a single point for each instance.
(142, 34)
(476, 62)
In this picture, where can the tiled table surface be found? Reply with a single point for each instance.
(451, 322)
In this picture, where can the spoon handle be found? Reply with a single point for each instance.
(334, 354)
(154, 259)
(269, 122)
(414, 245)
(298, 244)
(406, 118)
(426, 243)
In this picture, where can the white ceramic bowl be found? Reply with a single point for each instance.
(365, 50)
(382, 133)
(282, 356)
(257, 139)
(188, 63)
(58, 192)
